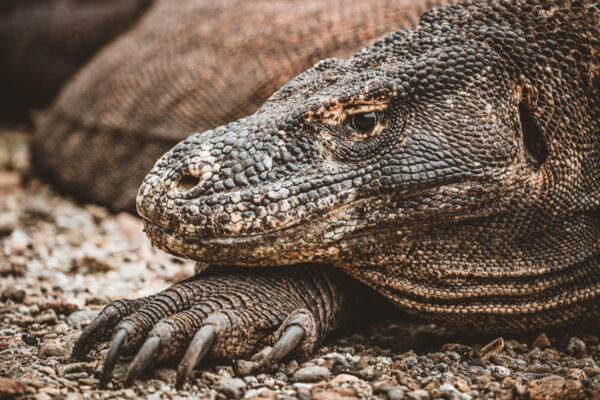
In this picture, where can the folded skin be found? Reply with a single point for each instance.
(452, 168)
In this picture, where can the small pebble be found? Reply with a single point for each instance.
(499, 372)
(18, 241)
(8, 223)
(395, 393)
(14, 294)
(462, 385)
(371, 372)
(419, 394)
(233, 388)
(53, 348)
(280, 376)
(73, 367)
(331, 395)
(47, 317)
(541, 341)
(50, 390)
(267, 394)
(337, 358)
(244, 367)
(451, 393)
(410, 361)
(165, 374)
(576, 346)
(555, 387)
(391, 392)
(342, 378)
(10, 388)
(38, 207)
(312, 374)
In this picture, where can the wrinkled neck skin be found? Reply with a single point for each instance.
(454, 168)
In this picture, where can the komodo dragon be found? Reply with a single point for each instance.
(453, 168)
(185, 67)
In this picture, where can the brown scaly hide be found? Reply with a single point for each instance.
(186, 67)
(453, 168)
(44, 42)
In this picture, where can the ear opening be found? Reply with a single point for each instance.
(534, 142)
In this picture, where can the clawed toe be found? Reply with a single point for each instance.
(111, 358)
(91, 335)
(144, 357)
(222, 317)
(288, 341)
(198, 348)
(298, 331)
(101, 327)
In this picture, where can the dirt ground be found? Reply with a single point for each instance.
(61, 262)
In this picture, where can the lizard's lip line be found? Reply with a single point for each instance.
(221, 240)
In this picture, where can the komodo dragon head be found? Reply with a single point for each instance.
(465, 150)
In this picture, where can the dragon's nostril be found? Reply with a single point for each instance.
(187, 182)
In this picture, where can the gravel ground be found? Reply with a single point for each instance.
(61, 262)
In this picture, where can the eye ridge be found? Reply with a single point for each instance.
(364, 122)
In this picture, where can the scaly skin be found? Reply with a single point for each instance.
(294, 307)
(178, 71)
(453, 168)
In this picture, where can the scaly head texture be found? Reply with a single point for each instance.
(455, 168)
(43, 43)
(188, 66)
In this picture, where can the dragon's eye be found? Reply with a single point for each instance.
(363, 122)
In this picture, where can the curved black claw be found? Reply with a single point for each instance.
(197, 350)
(88, 337)
(287, 342)
(101, 327)
(95, 331)
(142, 360)
(111, 358)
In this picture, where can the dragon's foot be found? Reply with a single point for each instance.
(226, 315)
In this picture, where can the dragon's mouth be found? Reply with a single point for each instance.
(285, 246)
(224, 241)
(315, 219)
(317, 229)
